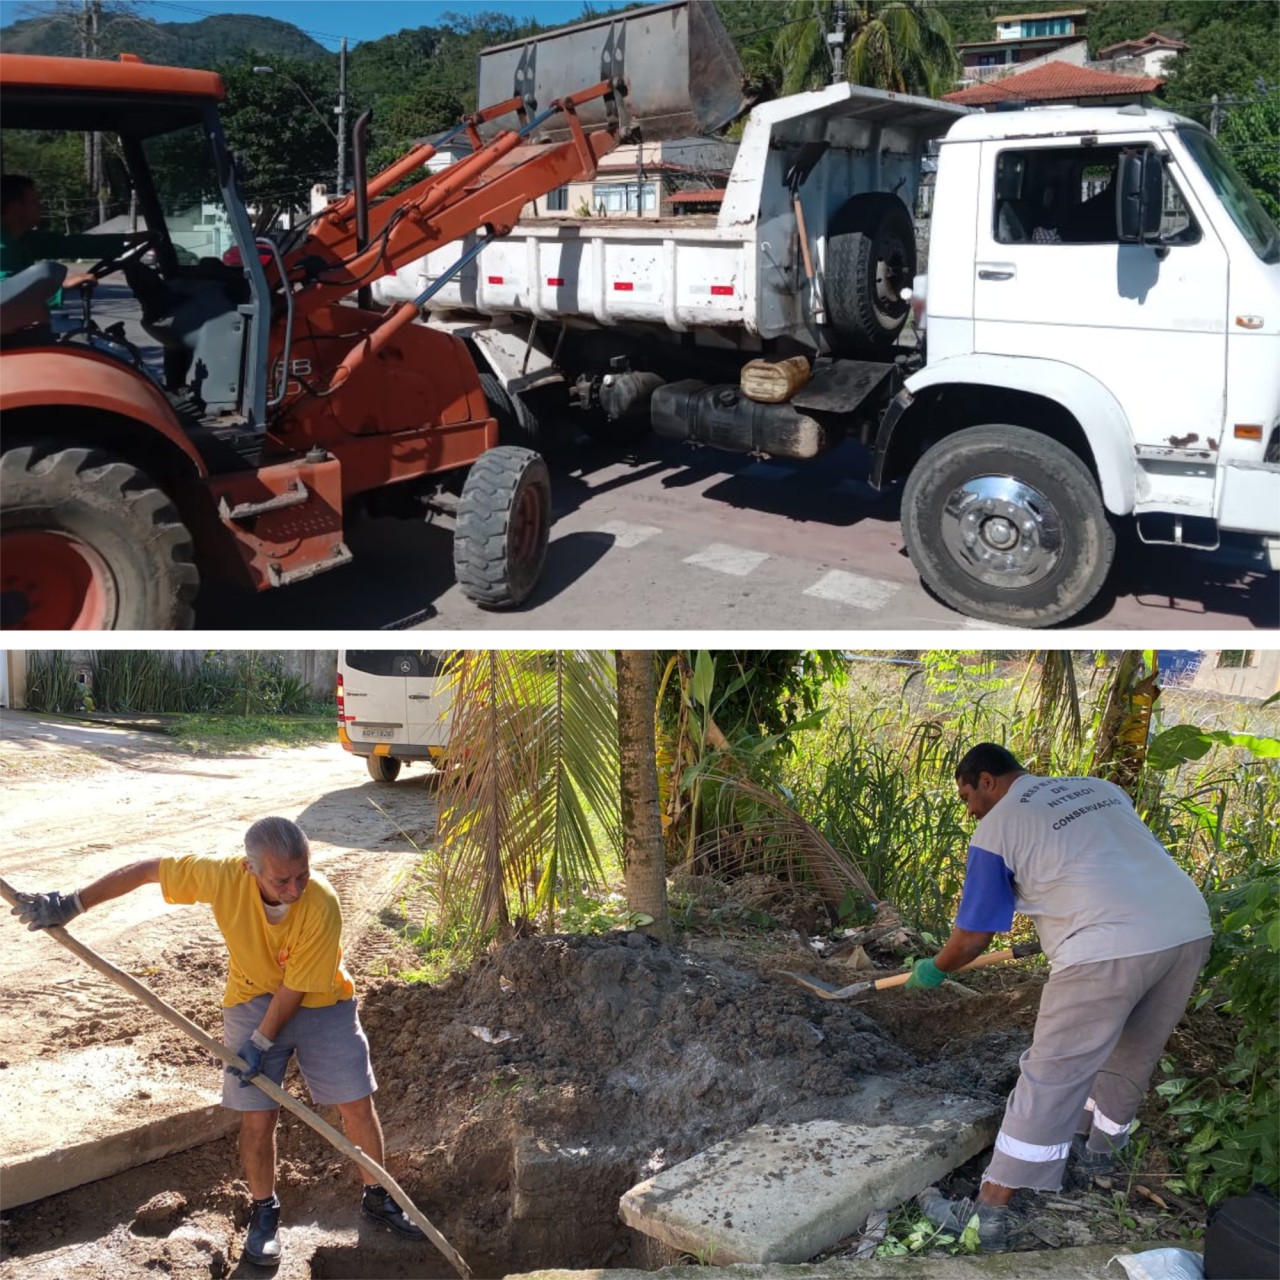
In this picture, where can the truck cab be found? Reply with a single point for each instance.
(1103, 319)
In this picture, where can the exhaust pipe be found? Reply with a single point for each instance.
(675, 65)
(722, 416)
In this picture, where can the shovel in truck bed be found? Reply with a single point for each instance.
(678, 69)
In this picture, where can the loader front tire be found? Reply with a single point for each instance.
(90, 542)
(504, 520)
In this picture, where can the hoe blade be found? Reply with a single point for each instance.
(679, 67)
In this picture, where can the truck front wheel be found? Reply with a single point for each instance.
(504, 520)
(1007, 525)
(90, 543)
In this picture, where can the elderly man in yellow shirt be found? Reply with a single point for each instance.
(287, 992)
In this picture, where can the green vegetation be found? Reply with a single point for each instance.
(838, 775)
(159, 681)
(208, 733)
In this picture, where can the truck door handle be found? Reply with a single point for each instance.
(995, 273)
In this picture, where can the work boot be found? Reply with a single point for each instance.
(954, 1216)
(262, 1243)
(378, 1206)
(1097, 1164)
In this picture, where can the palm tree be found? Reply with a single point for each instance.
(643, 855)
(901, 45)
(529, 795)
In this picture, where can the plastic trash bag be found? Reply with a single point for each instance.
(1162, 1264)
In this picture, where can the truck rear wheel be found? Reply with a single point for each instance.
(504, 520)
(1007, 525)
(90, 543)
(871, 258)
(383, 768)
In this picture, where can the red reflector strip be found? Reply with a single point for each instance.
(556, 281)
(722, 291)
(494, 279)
(623, 286)
(346, 719)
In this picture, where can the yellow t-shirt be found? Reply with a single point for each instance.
(302, 952)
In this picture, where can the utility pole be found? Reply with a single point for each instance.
(1215, 115)
(835, 43)
(341, 112)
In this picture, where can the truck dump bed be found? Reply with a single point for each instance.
(745, 270)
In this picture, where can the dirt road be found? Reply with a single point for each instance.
(80, 800)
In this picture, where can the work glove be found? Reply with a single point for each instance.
(253, 1052)
(45, 910)
(925, 974)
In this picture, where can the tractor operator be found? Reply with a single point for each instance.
(22, 244)
(1125, 931)
(287, 991)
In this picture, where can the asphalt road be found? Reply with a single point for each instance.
(664, 536)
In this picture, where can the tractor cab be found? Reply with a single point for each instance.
(183, 255)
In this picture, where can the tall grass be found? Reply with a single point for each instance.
(150, 682)
(877, 778)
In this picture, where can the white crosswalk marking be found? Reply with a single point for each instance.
(626, 534)
(723, 558)
(851, 588)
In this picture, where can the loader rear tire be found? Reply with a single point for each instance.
(504, 521)
(90, 542)
(871, 258)
(382, 768)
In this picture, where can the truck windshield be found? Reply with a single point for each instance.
(1240, 202)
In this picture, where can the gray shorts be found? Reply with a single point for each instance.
(333, 1054)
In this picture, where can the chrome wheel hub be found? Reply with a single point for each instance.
(1003, 531)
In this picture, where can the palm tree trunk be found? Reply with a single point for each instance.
(1120, 751)
(644, 866)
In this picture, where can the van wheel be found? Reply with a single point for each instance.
(89, 542)
(871, 258)
(383, 768)
(1007, 525)
(504, 520)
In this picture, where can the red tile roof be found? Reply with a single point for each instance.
(698, 197)
(1051, 83)
(1153, 41)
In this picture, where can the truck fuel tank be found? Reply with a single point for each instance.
(679, 69)
(722, 416)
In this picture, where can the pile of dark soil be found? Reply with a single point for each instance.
(521, 1098)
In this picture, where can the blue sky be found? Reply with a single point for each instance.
(328, 20)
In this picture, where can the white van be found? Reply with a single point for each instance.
(394, 707)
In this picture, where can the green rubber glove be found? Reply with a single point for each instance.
(925, 974)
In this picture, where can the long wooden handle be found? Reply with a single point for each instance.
(989, 957)
(804, 239)
(272, 1090)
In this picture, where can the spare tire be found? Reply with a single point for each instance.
(871, 258)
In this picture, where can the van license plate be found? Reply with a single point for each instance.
(374, 733)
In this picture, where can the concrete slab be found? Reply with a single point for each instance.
(1093, 1262)
(94, 1112)
(786, 1192)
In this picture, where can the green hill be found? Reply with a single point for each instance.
(221, 38)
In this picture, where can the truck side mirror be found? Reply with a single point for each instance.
(1139, 196)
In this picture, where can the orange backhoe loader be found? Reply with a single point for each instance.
(284, 403)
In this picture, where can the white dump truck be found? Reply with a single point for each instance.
(1101, 307)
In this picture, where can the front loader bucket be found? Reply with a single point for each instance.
(679, 69)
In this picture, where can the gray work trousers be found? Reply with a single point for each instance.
(1099, 1034)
